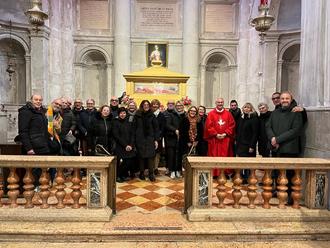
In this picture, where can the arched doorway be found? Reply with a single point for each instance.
(290, 69)
(13, 91)
(94, 77)
(217, 79)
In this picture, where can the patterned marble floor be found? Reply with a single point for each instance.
(166, 194)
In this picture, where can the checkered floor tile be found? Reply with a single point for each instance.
(165, 194)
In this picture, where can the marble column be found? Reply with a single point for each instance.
(315, 54)
(190, 46)
(39, 63)
(122, 44)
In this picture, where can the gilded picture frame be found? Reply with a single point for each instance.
(157, 51)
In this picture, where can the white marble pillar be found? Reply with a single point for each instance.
(39, 63)
(315, 53)
(122, 44)
(190, 46)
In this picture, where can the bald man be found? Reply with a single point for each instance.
(32, 127)
(219, 132)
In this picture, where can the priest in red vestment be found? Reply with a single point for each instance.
(219, 132)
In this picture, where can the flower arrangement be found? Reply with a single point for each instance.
(186, 101)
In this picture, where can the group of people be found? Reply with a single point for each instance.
(147, 132)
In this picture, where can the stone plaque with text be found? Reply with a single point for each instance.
(219, 18)
(94, 14)
(157, 17)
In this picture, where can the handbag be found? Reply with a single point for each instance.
(70, 138)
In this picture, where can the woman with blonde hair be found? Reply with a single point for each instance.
(247, 134)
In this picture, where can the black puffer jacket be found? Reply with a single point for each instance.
(100, 133)
(123, 133)
(32, 129)
(247, 135)
(147, 132)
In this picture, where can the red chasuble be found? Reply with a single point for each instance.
(219, 122)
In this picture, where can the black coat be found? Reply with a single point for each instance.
(236, 115)
(263, 142)
(184, 134)
(202, 143)
(33, 129)
(123, 133)
(68, 122)
(161, 127)
(247, 135)
(86, 117)
(100, 133)
(286, 127)
(173, 120)
(147, 132)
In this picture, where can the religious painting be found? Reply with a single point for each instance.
(157, 51)
(156, 88)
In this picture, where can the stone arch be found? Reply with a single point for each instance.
(13, 51)
(221, 51)
(93, 73)
(18, 39)
(93, 48)
(290, 58)
(217, 76)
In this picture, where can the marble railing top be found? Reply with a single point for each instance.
(56, 161)
(259, 163)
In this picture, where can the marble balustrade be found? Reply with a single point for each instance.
(199, 189)
(100, 186)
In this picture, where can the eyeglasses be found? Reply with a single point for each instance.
(113, 100)
(276, 97)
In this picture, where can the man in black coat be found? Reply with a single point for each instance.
(68, 128)
(236, 113)
(283, 130)
(33, 127)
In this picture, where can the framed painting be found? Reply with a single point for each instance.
(157, 51)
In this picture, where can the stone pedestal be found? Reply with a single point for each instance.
(316, 194)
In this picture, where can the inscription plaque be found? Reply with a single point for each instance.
(94, 14)
(219, 18)
(157, 17)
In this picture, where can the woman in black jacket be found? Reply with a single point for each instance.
(202, 143)
(100, 130)
(125, 150)
(146, 136)
(247, 134)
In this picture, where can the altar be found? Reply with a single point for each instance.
(156, 82)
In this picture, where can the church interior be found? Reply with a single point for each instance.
(196, 50)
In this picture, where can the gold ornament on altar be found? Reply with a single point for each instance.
(36, 16)
(264, 21)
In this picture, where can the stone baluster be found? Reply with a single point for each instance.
(60, 186)
(13, 186)
(282, 195)
(28, 188)
(76, 192)
(267, 188)
(252, 188)
(237, 194)
(296, 189)
(44, 188)
(1, 186)
(221, 193)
